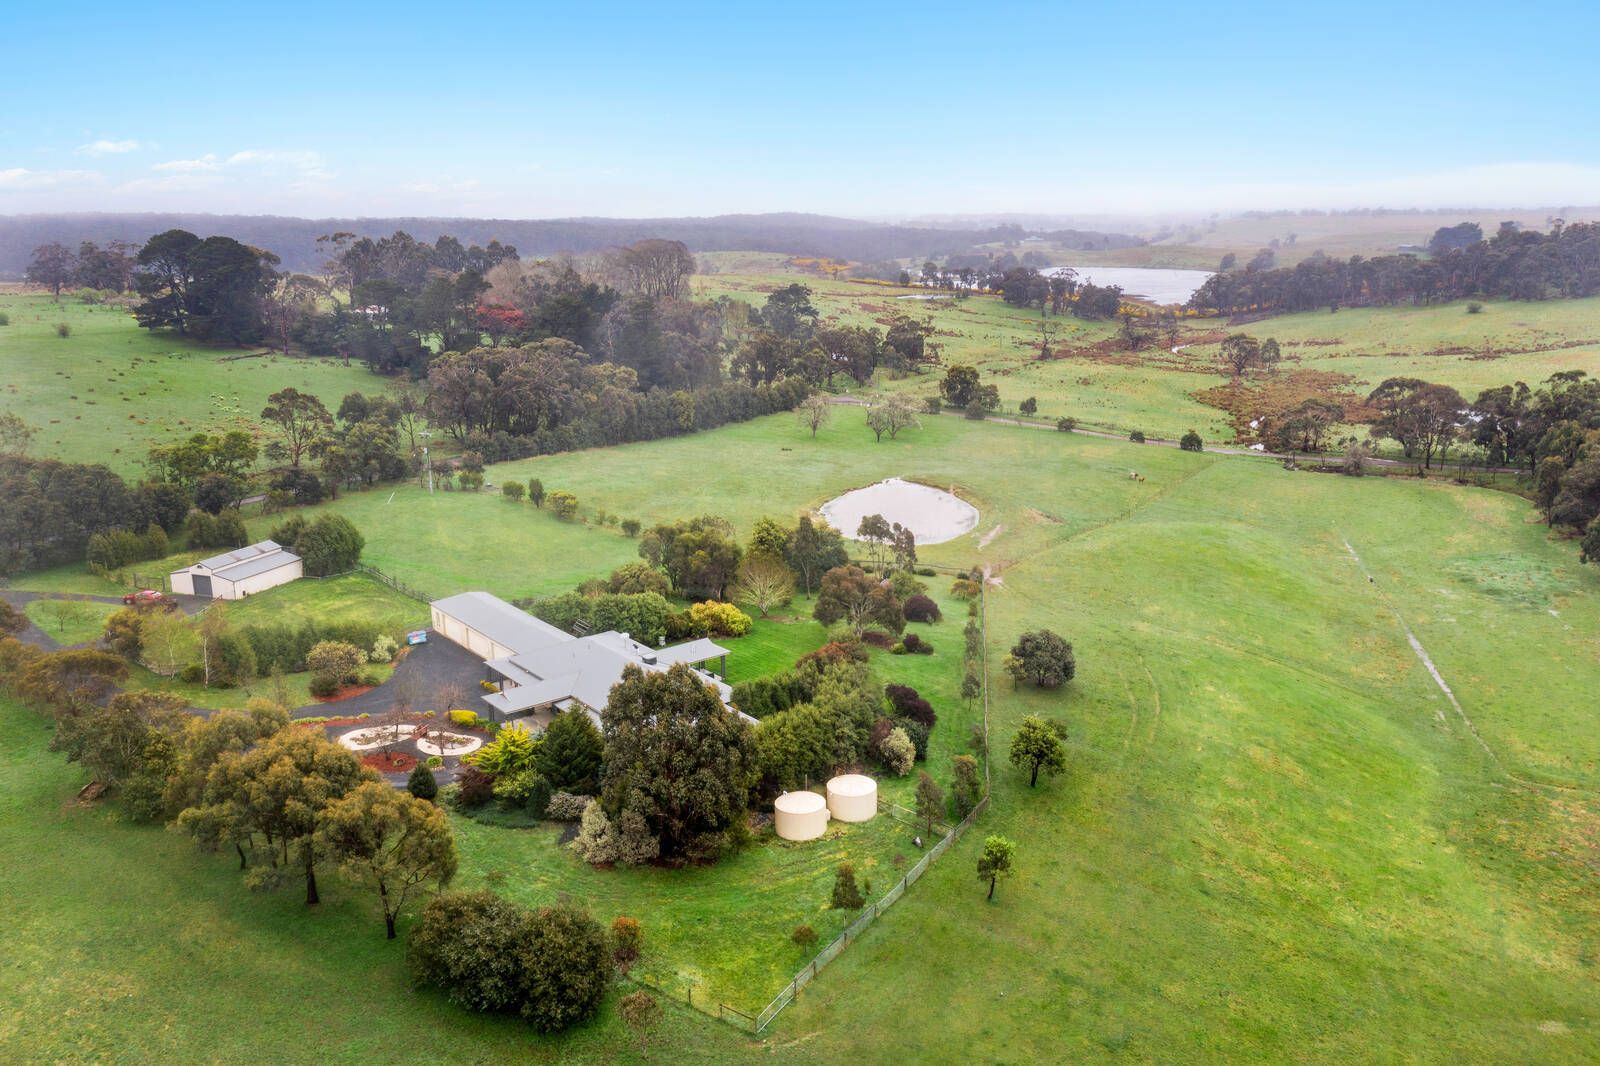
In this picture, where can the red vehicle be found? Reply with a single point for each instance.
(144, 598)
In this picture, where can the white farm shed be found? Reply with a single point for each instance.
(853, 798)
(239, 573)
(800, 816)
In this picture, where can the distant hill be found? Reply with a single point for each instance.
(294, 240)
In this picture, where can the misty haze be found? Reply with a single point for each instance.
(1035, 534)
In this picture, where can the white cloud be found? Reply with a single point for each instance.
(108, 147)
(188, 166)
(23, 179)
(307, 164)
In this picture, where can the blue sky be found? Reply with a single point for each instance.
(536, 110)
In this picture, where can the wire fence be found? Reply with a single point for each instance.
(684, 989)
(393, 582)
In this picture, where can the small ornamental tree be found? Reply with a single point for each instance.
(390, 840)
(1037, 746)
(565, 968)
(764, 582)
(513, 490)
(563, 505)
(920, 608)
(536, 492)
(846, 894)
(640, 1011)
(965, 791)
(569, 754)
(421, 783)
(898, 753)
(330, 545)
(627, 941)
(1042, 658)
(971, 687)
(333, 664)
(930, 800)
(849, 595)
(512, 750)
(719, 619)
(995, 862)
(814, 412)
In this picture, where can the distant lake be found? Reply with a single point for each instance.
(1149, 283)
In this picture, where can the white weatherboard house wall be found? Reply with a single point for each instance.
(239, 573)
(541, 670)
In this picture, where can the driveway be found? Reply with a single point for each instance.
(190, 605)
(432, 671)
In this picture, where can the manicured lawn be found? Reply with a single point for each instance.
(774, 643)
(127, 943)
(727, 928)
(110, 390)
(347, 598)
(70, 621)
(296, 691)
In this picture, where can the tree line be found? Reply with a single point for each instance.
(1513, 264)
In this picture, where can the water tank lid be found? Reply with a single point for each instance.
(799, 803)
(852, 785)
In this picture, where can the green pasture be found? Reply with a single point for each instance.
(1276, 840)
(127, 943)
(1155, 390)
(725, 929)
(346, 598)
(110, 390)
(70, 621)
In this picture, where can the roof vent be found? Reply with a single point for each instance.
(648, 658)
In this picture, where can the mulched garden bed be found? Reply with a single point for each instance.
(346, 693)
(390, 762)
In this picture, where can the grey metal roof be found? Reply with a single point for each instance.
(259, 565)
(239, 555)
(694, 651)
(548, 665)
(501, 622)
(247, 562)
(587, 668)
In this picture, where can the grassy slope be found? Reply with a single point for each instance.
(352, 597)
(1338, 235)
(1369, 344)
(725, 928)
(1277, 841)
(89, 623)
(1255, 747)
(125, 942)
(1154, 390)
(111, 390)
